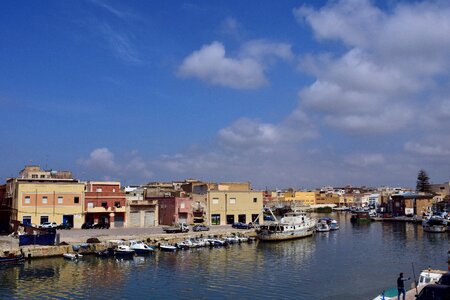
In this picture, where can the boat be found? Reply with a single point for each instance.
(11, 259)
(140, 247)
(434, 224)
(105, 253)
(322, 226)
(72, 256)
(428, 276)
(123, 251)
(360, 217)
(334, 225)
(341, 208)
(216, 242)
(292, 225)
(166, 247)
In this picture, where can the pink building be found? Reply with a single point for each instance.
(174, 210)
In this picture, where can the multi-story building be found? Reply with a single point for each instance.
(441, 190)
(39, 196)
(173, 210)
(227, 207)
(105, 203)
(140, 211)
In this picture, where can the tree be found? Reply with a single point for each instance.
(423, 182)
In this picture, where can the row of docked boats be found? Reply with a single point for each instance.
(435, 224)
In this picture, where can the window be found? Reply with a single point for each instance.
(255, 200)
(232, 200)
(90, 205)
(76, 200)
(60, 200)
(44, 200)
(254, 217)
(242, 218)
(98, 190)
(105, 204)
(215, 201)
(26, 220)
(117, 204)
(34, 176)
(114, 190)
(230, 219)
(182, 204)
(27, 200)
(44, 219)
(215, 219)
(42, 176)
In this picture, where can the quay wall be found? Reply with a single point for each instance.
(37, 251)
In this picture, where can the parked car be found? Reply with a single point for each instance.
(200, 228)
(100, 225)
(48, 225)
(87, 225)
(434, 292)
(240, 225)
(64, 226)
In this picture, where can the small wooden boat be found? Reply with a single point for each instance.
(72, 256)
(12, 259)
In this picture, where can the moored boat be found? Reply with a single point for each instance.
(166, 247)
(140, 247)
(72, 256)
(360, 217)
(12, 259)
(334, 225)
(123, 251)
(322, 226)
(292, 225)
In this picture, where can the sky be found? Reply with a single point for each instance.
(298, 94)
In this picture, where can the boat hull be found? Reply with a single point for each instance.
(12, 260)
(284, 236)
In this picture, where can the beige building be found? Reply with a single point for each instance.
(40, 196)
(305, 198)
(140, 211)
(228, 207)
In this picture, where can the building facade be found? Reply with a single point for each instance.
(173, 210)
(105, 203)
(140, 211)
(228, 207)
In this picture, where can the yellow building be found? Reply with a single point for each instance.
(39, 199)
(306, 198)
(228, 207)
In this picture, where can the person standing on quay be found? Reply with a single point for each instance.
(401, 286)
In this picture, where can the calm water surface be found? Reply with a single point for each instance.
(356, 262)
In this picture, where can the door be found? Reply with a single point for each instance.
(118, 220)
(68, 219)
(135, 219)
(149, 219)
(182, 218)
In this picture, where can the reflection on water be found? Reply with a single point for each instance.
(356, 262)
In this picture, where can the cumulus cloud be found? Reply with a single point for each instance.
(246, 71)
(394, 62)
(104, 164)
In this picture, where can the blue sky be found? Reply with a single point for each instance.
(280, 93)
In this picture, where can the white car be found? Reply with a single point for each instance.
(48, 225)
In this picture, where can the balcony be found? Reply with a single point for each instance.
(142, 202)
(101, 209)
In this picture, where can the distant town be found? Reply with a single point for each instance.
(38, 196)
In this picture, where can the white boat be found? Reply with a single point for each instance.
(426, 277)
(322, 226)
(123, 251)
(334, 225)
(140, 247)
(72, 256)
(291, 226)
(434, 228)
(166, 247)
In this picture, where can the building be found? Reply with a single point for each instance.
(442, 189)
(105, 203)
(37, 196)
(140, 211)
(173, 210)
(410, 204)
(228, 207)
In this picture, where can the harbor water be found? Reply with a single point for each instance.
(355, 262)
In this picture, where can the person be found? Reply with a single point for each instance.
(401, 286)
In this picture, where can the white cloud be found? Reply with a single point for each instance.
(101, 159)
(428, 149)
(210, 64)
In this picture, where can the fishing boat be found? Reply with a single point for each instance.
(11, 259)
(140, 247)
(292, 225)
(72, 256)
(360, 217)
(434, 224)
